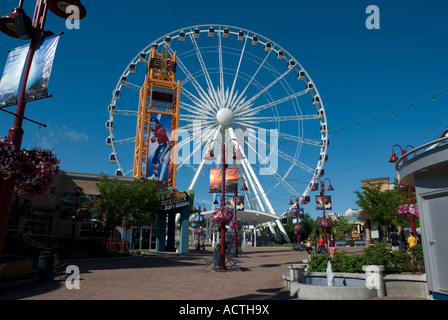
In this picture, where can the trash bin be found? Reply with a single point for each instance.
(46, 265)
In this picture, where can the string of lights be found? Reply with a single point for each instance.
(390, 112)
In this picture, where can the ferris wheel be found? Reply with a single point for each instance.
(239, 88)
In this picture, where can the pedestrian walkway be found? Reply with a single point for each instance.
(173, 276)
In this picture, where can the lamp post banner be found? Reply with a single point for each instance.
(40, 71)
(12, 74)
(216, 180)
(320, 204)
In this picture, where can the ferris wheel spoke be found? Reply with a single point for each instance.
(275, 118)
(198, 146)
(256, 110)
(193, 117)
(297, 139)
(193, 80)
(126, 113)
(124, 141)
(237, 104)
(130, 85)
(248, 102)
(221, 69)
(283, 155)
(195, 131)
(204, 69)
(281, 180)
(228, 103)
(201, 106)
(251, 173)
(215, 134)
(193, 110)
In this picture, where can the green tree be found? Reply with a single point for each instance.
(380, 205)
(113, 203)
(340, 228)
(133, 204)
(143, 202)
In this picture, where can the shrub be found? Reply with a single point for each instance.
(379, 254)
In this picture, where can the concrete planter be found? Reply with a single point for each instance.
(353, 286)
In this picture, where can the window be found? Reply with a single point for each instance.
(38, 224)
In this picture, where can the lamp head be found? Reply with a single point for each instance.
(209, 155)
(238, 155)
(290, 202)
(393, 158)
(244, 187)
(330, 187)
(314, 187)
(17, 24)
(59, 8)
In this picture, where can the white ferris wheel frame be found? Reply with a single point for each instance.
(256, 191)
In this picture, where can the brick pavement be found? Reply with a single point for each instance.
(173, 276)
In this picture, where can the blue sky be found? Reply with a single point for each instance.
(360, 74)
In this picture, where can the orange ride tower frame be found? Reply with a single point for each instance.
(160, 74)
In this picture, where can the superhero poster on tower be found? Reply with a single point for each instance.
(158, 162)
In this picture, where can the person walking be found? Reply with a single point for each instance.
(394, 239)
(412, 241)
(332, 245)
(309, 246)
(321, 245)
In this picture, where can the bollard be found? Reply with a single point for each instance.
(374, 279)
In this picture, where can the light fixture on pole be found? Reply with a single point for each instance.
(315, 187)
(35, 31)
(78, 190)
(216, 201)
(297, 199)
(210, 156)
(198, 230)
(394, 159)
(235, 202)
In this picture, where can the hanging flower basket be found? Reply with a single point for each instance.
(325, 223)
(35, 170)
(222, 215)
(297, 229)
(198, 231)
(408, 210)
(7, 159)
(235, 225)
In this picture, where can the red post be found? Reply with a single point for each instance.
(414, 230)
(322, 193)
(235, 232)
(297, 213)
(16, 131)
(223, 203)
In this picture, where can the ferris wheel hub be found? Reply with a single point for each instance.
(225, 116)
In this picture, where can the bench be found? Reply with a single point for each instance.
(17, 270)
(59, 267)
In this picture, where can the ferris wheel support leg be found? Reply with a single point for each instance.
(260, 189)
(196, 176)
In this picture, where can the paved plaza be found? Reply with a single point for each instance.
(173, 276)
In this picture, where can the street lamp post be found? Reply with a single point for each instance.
(210, 156)
(394, 159)
(235, 232)
(198, 225)
(78, 191)
(297, 217)
(322, 194)
(18, 25)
